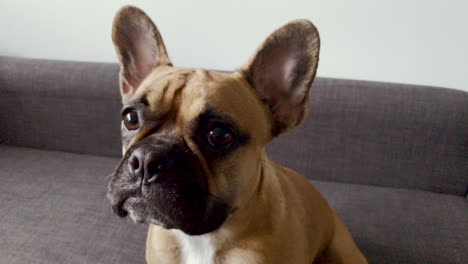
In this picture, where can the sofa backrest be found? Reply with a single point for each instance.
(60, 105)
(360, 132)
(386, 134)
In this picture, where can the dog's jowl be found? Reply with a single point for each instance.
(194, 166)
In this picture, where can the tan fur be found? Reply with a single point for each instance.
(279, 216)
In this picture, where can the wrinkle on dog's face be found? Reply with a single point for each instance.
(176, 105)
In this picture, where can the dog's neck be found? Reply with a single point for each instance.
(241, 225)
(196, 249)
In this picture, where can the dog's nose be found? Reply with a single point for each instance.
(149, 164)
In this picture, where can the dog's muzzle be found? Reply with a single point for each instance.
(162, 183)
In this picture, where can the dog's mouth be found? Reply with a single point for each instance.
(119, 208)
(138, 209)
(179, 200)
(194, 214)
(134, 204)
(130, 204)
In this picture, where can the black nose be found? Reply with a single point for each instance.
(149, 163)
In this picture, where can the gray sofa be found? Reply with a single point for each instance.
(390, 158)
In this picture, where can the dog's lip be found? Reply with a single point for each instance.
(118, 208)
(128, 203)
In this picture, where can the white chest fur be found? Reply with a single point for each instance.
(196, 249)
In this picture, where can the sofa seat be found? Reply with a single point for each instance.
(54, 210)
(392, 225)
(53, 201)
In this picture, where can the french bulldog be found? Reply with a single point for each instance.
(194, 165)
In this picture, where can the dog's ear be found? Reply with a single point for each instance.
(282, 72)
(139, 47)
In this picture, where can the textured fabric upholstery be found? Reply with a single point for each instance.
(390, 158)
(392, 225)
(68, 106)
(381, 134)
(54, 210)
(359, 132)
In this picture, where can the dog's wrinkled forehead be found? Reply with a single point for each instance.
(162, 90)
(180, 96)
(271, 88)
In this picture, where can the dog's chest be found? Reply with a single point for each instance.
(196, 249)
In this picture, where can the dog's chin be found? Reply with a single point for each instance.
(143, 211)
(179, 200)
(137, 210)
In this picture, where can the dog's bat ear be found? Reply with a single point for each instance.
(282, 72)
(139, 46)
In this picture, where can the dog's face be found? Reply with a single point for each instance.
(184, 144)
(193, 140)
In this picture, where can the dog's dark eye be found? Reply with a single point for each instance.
(131, 121)
(220, 136)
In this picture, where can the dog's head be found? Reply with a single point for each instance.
(193, 140)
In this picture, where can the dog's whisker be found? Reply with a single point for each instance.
(108, 176)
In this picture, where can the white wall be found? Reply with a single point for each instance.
(409, 41)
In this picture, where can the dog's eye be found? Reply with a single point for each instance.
(220, 136)
(131, 121)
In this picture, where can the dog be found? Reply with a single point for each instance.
(194, 165)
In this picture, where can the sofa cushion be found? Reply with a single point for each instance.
(54, 210)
